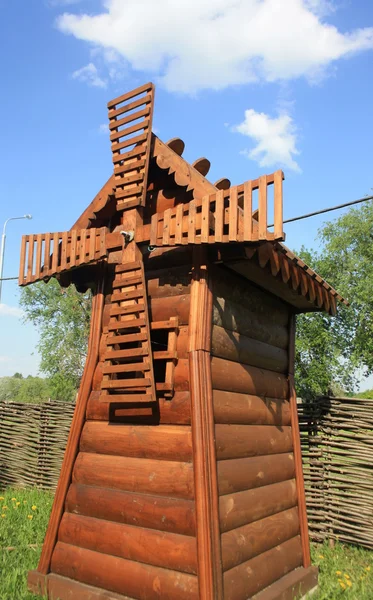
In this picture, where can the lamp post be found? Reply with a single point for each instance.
(2, 250)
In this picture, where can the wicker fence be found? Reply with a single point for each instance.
(32, 442)
(337, 447)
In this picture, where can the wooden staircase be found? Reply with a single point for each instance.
(128, 366)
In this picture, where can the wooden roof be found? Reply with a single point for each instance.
(270, 264)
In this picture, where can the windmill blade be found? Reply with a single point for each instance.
(130, 124)
(224, 216)
(47, 254)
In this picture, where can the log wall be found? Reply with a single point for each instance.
(258, 503)
(129, 520)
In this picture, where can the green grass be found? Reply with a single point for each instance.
(344, 572)
(341, 564)
(18, 530)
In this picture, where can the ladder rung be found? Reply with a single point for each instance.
(126, 310)
(124, 398)
(127, 368)
(127, 281)
(120, 325)
(132, 295)
(124, 339)
(118, 354)
(133, 266)
(126, 383)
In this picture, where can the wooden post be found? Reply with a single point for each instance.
(303, 523)
(204, 456)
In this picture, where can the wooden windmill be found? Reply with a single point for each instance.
(182, 477)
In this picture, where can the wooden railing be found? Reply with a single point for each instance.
(46, 254)
(221, 217)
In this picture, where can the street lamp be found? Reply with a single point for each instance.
(2, 251)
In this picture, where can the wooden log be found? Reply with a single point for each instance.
(181, 375)
(267, 307)
(164, 412)
(144, 510)
(162, 309)
(243, 319)
(240, 441)
(135, 579)
(293, 585)
(240, 348)
(149, 546)
(250, 577)
(168, 257)
(62, 588)
(142, 475)
(243, 543)
(246, 473)
(231, 407)
(165, 442)
(234, 377)
(248, 506)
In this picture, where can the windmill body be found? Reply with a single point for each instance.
(182, 477)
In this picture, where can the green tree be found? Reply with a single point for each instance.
(31, 390)
(62, 317)
(333, 353)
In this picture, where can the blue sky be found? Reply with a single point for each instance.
(253, 85)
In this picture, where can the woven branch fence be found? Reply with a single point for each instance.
(32, 442)
(337, 448)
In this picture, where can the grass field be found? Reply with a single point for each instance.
(345, 572)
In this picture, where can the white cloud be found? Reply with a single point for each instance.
(191, 45)
(89, 74)
(104, 128)
(275, 139)
(10, 311)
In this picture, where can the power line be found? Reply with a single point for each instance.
(325, 210)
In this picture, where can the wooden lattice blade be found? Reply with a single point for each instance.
(45, 255)
(130, 124)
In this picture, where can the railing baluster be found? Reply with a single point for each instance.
(179, 224)
(192, 223)
(47, 254)
(278, 205)
(219, 216)
(205, 219)
(56, 243)
(39, 239)
(74, 235)
(248, 211)
(30, 257)
(22, 263)
(263, 207)
(166, 227)
(233, 214)
(92, 243)
(64, 251)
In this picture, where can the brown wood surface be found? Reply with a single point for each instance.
(243, 543)
(144, 510)
(243, 319)
(204, 458)
(62, 588)
(244, 507)
(123, 576)
(240, 441)
(234, 377)
(166, 412)
(293, 585)
(250, 577)
(170, 306)
(245, 473)
(231, 407)
(166, 442)
(297, 451)
(240, 348)
(76, 428)
(148, 476)
(158, 548)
